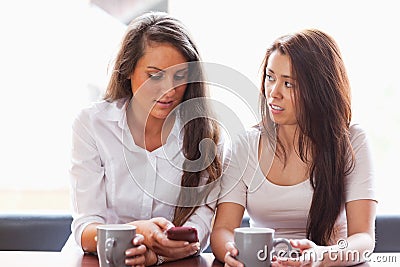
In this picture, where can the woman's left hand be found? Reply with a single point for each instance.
(307, 256)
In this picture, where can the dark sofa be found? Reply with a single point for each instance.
(49, 232)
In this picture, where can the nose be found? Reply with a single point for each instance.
(168, 87)
(274, 90)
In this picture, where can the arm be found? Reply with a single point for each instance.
(360, 210)
(361, 239)
(88, 239)
(228, 217)
(360, 230)
(360, 203)
(88, 190)
(232, 201)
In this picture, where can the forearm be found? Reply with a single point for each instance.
(88, 239)
(219, 237)
(348, 252)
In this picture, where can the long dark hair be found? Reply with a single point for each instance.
(323, 110)
(159, 27)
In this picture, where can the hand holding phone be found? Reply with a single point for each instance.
(183, 233)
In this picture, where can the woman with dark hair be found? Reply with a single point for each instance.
(136, 154)
(304, 170)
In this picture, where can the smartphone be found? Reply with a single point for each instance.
(183, 233)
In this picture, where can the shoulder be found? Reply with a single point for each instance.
(102, 110)
(358, 135)
(246, 141)
(247, 136)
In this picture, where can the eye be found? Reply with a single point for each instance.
(289, 85)
(156, 76)
(270, 78)
(180, 76)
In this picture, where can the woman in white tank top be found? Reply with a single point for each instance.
(304, 170)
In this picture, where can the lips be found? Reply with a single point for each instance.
(276, 107)
(165, 102)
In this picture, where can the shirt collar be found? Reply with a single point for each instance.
(173, 146)
(116, 111)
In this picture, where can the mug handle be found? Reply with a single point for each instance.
(282, 240)
(110, 242)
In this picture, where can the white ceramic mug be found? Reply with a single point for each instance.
(112, 242)
(256, 245)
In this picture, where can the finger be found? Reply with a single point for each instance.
(136, 251)
(159, 236)
(230, 247)
(173, 243)
(163, 223)
(230, 261)
(287, 262)
(283, 261)
(135, 261)
(302, 244)
(180, 252)
(138, 240)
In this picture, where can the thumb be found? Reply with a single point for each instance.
(230, 247)
(302, 244)
(138, 240)
(163, 223)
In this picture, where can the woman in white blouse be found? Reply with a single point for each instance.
(304, 170)
(136, 155)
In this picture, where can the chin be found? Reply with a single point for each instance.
(160, 115)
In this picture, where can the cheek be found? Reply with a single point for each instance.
(180, 90)
(139, 82)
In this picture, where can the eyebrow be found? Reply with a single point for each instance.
(152, 67)
(284, 76)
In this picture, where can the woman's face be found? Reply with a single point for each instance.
(279, 86)
(159, 80)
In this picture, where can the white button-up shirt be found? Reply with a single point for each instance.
(116, 181)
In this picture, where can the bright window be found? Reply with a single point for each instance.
(54, 58)
(236, 34)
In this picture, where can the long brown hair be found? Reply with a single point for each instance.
(323, 108)
(159, 27)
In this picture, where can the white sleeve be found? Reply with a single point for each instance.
(360, 182)
(86, 176)
(233, 187)
(201, 219)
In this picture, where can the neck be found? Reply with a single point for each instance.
(288, 134)
(146, 127)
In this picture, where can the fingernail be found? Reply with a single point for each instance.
(196, 246)
(128, 252)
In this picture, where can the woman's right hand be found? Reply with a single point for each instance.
(156, 240)
(232, 252)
